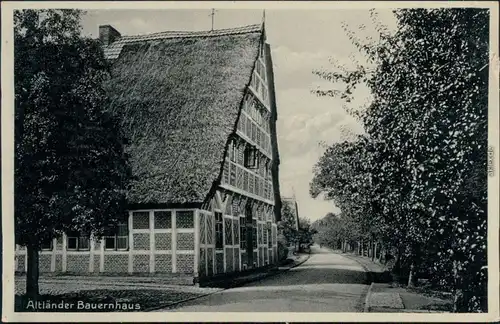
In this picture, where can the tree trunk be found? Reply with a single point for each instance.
(374, 254)
(32, 272)
(458, 294)
(411, 276)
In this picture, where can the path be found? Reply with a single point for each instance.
(327, 282)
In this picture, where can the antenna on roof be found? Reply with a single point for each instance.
(263, 16)
(213, 15)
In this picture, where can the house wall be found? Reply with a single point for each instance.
(243, 185)
(159, 241)
(232, 256)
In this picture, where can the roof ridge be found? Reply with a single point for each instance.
(187, 33)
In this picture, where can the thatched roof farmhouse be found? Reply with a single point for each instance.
(199, 112)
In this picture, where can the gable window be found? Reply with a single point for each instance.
(76, 241)
(117, 239)
(218, 231)
(251, 161)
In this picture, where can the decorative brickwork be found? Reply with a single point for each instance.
(97, 263)
(236, 231)
(185, 241)
(185, 219)
(228, 230)
(235, 206)
(163, 241)
(77, 263)
(219, 262)
(141, 263)
(203, 263)
(141, 220)
(58, 263)
(228, 210)
(116, 263)
(236, 253)
(202, 229)
(229, 260)
(185, 263)
(45, 260)
(163, 219)
(163, 263)
(141, 241)
(59, 243)
(21, 259)
(210, 262)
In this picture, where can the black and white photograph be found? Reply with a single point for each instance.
(225, 161)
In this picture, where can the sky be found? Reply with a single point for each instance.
(301, 41)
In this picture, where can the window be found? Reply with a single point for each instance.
(47, 246)
(76, 241)
(232, 150)
(118, 240)
(251, 157)
(218, 231)
(232, 174)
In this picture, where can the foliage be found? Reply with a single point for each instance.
(288, 224)
(420, 169)
(306, 232)
(71, 172)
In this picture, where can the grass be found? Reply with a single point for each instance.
(102, 300)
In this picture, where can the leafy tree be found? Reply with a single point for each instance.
(425, 146)
(288, 223)
(71, 172)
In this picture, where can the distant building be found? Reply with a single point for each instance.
(200, 112)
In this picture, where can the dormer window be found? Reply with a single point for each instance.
(251, 161)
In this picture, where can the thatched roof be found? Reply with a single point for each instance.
(179, 99)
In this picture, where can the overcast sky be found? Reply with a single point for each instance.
(301, 40)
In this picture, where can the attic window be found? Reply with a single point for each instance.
(251, 161)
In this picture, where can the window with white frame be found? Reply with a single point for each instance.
(118, 239)
(251, 160)
(47, 246)
(76, 241)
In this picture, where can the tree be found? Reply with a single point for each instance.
(71, 172)
(288, 223)
(426, 132)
